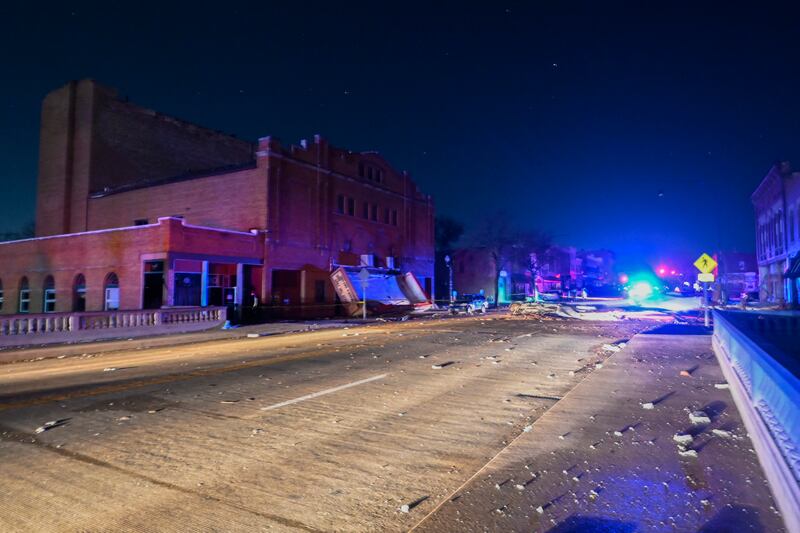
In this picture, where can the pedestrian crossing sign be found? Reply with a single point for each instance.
(705, 264)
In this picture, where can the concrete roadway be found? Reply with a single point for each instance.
(329, 430)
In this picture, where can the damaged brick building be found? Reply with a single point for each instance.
(136, 209)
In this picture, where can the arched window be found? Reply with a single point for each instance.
(49, 295)
(111, 292)
(24, 295)
(79, 293)
(1, 294)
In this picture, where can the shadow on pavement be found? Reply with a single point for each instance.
(734, 518)
(592, 524)
(679, 329)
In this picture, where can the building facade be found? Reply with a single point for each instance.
(776, 202)
(120, 186)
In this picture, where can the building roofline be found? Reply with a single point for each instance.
(129, 228)
(227, 169)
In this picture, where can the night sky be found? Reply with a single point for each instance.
(638, 128)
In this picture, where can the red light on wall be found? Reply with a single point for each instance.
(623, 278)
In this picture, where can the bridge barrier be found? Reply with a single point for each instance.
(764, 382)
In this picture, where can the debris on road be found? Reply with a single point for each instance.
(406, 507)
(109, 369)
(611, 348)
(722, 386)
(699, 417)
(648, 405)
(47, 426)
(722, 433)
(688, 453)
(683, 438)
(439, 366)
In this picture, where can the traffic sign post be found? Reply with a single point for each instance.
(363, 275)
(706, 265)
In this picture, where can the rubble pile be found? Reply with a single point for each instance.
(538, 309)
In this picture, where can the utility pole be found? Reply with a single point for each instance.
(363, 275)
(449, 263)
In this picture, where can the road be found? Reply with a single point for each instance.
(320, 431)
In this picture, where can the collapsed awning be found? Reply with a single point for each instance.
(384, 288)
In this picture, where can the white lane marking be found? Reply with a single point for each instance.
(323, 392)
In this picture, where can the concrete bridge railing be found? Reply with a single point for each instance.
(765, 386)
(49, 323)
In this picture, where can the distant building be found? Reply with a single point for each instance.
(777, 212)
(597, 268)
(474, 271)
(136, 209)
(559, 270)
(737, 273)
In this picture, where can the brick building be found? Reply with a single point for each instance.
(776, 202)
(136, 209)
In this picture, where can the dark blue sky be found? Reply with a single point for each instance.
(570, 117)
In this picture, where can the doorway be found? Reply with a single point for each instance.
(153, 292)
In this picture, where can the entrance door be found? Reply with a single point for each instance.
(187, 288)
(153, 295)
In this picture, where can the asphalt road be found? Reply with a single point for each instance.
(321, 431)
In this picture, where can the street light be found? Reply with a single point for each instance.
(449, 264)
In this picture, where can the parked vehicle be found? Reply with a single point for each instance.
(469, 304)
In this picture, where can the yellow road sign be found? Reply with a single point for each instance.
(705, 264)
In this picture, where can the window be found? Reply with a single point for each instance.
(365, 211)
(394, 217)
(24, 296)
(361, 170)
(1, 294)
(111, 291)
(49, 295)
(369, 173)
(340, 204)
(140, 222)
(351, 207)
(374, 215)
(79, 293)
(386, 215)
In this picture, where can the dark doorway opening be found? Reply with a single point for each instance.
(153, 297)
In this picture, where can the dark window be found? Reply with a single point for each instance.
(351, 207)
(374, 216)
(369, 173)
(386, 216)
(79, 293)
(365, 211)
(140, 222)
(379, 177)
(394, 217)
(24, 296)
(49, 295)
(340, 204)
(361, 169)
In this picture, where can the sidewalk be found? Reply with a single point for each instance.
(600, 461)
(122, 342)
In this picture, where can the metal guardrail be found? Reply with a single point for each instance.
(41, 324)
(767, 394)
